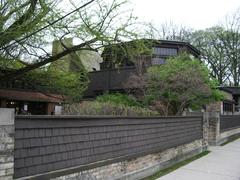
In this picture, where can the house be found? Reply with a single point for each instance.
(26, 99)
(231, 102)
(108, 73)
(154, 51)
(235, 95)
(120, 63)
(30, 99)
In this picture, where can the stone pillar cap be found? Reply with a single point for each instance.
(6, 116)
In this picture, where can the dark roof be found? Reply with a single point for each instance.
(163, 41)
(184, 43)
(231, 89)
(20, 95)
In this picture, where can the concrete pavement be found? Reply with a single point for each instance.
(222, 163)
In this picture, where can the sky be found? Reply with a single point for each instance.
(196, 14)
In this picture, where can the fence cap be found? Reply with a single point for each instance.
(6, 116)
(94, 117)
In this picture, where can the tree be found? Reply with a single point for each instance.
(219, 45)
(168, 31)
(27, 25)
(231, 41)
(70, 85)
(181, 83)
(213, 52)
(19, 20)
(220, 49)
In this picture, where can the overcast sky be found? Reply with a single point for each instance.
(197, 14)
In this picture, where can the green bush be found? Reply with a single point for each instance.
(120, 99)
(179, 84)
(106, 108)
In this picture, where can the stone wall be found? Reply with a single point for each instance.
(213, 127)
(138, 168)
(6, 143)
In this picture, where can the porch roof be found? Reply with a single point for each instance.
(21, 95)
(231, 89)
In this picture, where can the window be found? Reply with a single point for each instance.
(227, 107)
(158, 61)
(165, 51)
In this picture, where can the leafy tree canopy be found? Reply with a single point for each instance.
(28, 26)
(181, 83)
(219, 48)
(69, 84)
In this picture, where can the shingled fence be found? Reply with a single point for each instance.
(76, 147)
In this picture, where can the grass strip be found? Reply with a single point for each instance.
(175, 166)
(230, 140)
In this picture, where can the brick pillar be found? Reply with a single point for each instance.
(214, 127)
(6, 143)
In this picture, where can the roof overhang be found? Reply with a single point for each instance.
(20, 95)
(231, 89)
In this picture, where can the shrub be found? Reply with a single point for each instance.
(106, 108)
(181, 83)
(118, 98)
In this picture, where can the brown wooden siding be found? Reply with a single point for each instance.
(112, 79)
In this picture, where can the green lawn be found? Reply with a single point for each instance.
(176, 166)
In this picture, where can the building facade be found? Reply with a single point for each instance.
(27, 99)
(119, 64)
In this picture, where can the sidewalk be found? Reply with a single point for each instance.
(222, 163)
